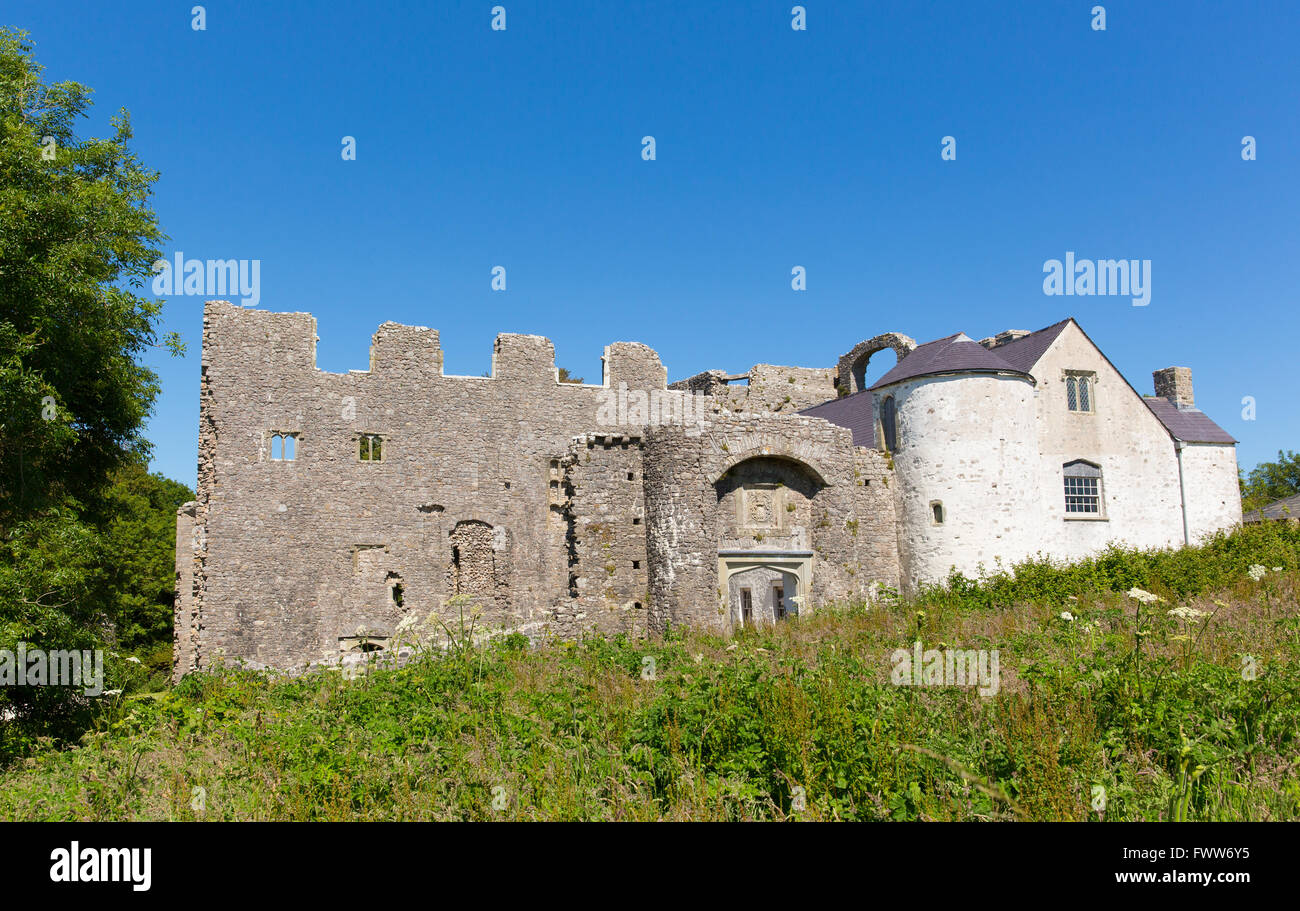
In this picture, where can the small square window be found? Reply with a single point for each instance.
(371, 448)
(284, 447)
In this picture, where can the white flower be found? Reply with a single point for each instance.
(1067, 616)
(1256, 572)
(1277, 569)
(133, 659)
(1138, 594)
(1190, 614)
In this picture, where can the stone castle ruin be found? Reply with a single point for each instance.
(332, 507)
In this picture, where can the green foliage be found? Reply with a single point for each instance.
(1179, 573)
(1269, 481)
(76, 235)
(81, 566)
(796, 721)
(138, 572)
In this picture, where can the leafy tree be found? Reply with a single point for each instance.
(138, 573)
(1269, 481)
(76, 237)
(77, 240)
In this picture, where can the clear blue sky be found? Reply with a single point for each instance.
(775, 148)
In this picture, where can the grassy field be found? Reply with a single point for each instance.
(1107, 707)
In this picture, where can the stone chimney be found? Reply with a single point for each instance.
(1175, 384)
(1003, 337)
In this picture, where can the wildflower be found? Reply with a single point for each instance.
(133, 659)
(1138, 594)
(1067, 616)
(1256, 572)
(1190, 614)
(699, 659)
(1277, 569)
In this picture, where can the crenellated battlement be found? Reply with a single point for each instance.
(281, 343)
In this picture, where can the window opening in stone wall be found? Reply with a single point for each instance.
(283, 447)
(1082, 489)
(936, 512)
(746, 606)
(889, 424)
(778, 597)
(371, 448)
(473, 569)
(1079, 391)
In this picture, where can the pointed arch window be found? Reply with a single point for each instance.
(1080, 391)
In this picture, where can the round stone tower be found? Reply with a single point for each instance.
(959, 423)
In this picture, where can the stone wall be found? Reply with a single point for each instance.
(185, 620)
(292, 557)
(1138, 463)
(602, 513)
(766, 388)
(699, 500)
(1213, 492)
(967, 445)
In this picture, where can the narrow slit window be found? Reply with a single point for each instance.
(889, 424)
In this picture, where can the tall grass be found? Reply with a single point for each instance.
(1122, 712)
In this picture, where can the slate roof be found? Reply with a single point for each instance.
(1286, 508)
(955, 354)
(1191, 425)
(959, 353)
(851, 411)
(1025, 352)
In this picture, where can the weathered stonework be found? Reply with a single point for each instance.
(852, 367)
(335, 508)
